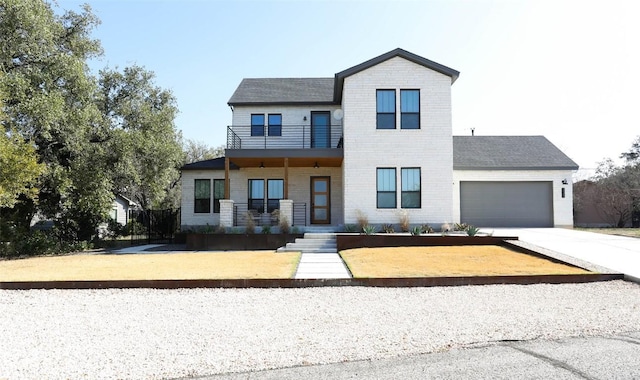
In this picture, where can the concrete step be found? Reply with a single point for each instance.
(312, 242)
(316, 235)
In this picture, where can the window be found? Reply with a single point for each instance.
(202, 196)
(218, 193)
(275, 192)
(257, 125)
(275, 124)
(386, 186)
(386, 109)
(410, 197)
(256, 195)
(410, 109)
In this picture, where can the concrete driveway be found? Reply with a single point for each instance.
(619, 253)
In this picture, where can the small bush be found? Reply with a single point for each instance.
(37, 243)
(295, 230)
(220, 230)
(284, 225)
(369, 230)
(472, 230)
(362, 219)
(460, 227)
(446, 227)
(405, 223)
(426, 229)
(266, 229)
(388, 228)
(416, 231)
(250, 225)
(349, 228)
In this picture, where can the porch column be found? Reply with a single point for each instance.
(286, 210)
(286, 179)
(227, 192)
(226, 213)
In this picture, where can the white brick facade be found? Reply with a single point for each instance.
(367, 148)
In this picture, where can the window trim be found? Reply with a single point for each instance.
(195, 196)
(395, 105)
(419, 191)
(257, 130)
(409, 113)
(271, 127)
(395, 191)
(216, 200)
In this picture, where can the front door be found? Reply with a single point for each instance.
(320, 200)
(321, 129)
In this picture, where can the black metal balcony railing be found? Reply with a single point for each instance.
(241, 213)
(284, 137)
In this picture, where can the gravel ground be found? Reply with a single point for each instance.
(155, 334)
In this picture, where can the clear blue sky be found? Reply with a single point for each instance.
(567, 70)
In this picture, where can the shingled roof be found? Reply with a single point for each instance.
(508, 153)
(282, 91)
(212, 164)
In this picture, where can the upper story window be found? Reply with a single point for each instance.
(410, 109)
(257, 124)
(386, 109)
(202, 196)
(275, 124)
(386, 188)
(410, 196)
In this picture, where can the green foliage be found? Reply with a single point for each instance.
(460, 227)
(195, 151)
(36, 243)
(416, 231)
(349, 228)
(266, 229)
(19, 169)
(426, 229)
(472, 230)
(369, 230)
(388, 228)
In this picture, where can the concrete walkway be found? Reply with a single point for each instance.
(619, 253)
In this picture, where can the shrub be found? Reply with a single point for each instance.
(460, 227)
(349, 228)
(220, 230)
(472, 230)
(36, 243)
(369, 230)
(266, 229)
(404, 221)
(295, 230)
(388, 228)
(284, 225)
(426, 229)
(362, 219)
(415, 231)
(250, 225)
(446, 227)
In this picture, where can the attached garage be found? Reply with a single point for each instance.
(507, 204)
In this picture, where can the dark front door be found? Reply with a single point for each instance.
(321, 129)
(320, 200)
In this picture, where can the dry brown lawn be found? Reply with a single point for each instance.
(169, 266)
(481, 260)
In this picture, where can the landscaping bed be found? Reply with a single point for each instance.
(229, 242)
(349, 241)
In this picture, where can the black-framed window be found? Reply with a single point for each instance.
(410, 109)
(275, 192)
(410, 196)
(202, 196)
(257, 124)
(386, 188)
(275, 124)
(385, 109)
(218, 193)
(256, 195)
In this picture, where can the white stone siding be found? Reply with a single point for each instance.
(121, 208)
(299, 190)
(295, 130)
(366, 148)
(562, 207)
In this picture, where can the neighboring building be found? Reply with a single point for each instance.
(120, 209)
(375, 140)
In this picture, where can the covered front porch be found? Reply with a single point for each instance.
(303, 186)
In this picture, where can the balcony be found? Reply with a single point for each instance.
(284, 137)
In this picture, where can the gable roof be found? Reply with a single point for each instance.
(339, 77)
(508, 153)
(318, 91)
(212, 164)
(283, 91)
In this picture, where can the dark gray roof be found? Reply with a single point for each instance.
(508, 153)
(263, 91)
(213, 164)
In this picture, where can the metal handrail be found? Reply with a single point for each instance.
(283, 137)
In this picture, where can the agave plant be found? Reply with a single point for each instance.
(369, 230)
(472, 230)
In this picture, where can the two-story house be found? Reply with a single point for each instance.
(374, 141)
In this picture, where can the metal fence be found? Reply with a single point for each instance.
(153, 226)
(289, 137)
(241, 214)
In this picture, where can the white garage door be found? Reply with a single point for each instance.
(506, 204)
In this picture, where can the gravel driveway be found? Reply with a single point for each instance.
(154, 334)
